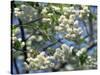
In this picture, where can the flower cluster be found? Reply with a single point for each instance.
(25, 13)
(70, 26)
(43, 61)
(62, 54)
(55, 18)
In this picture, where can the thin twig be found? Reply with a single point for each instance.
(25, 24)
(24, 40)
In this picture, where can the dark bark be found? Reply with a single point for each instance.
(13, 60)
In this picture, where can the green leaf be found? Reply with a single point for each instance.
(17, 45)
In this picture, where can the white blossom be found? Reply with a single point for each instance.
(56, 8)
(28, 47)
(43, 53)
(71, 21)
(61, 24)
(19, 39)
(69, 29)
(78, 53)
(67, 36)
(29, 59)
(62, 17)
(46, 20)
(22, 44)
(71, 49)
(50, 14)
(29, 42)
(58, 28)
(28, 55)
(23, 5)
(64, 47)
(32, 37)
(76, 23)
(14, 38)
(73, 35)
(39, 38)
(72, 17)
(44, 10)
(65, 9)
(83, 50)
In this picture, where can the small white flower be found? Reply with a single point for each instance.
(42, 67)
(72, 16)
(17, 30)
(71, 8)
(47, 62)
(56, 8)
(66, 26)
(64, 47)
(32, 37)
(73, 35)
(88, 15)
(46, 20)
(43, 53)
(83, 50)
(61, 24)
(14, 38)
(76, 23)
(13, 41)
(62, 17)
(30, 59)
(58, 28)
(50, 14)
(80, 15)
(17, 13)
(28, 47)
(22, 44)
(31, 50)
(16, 9)
(40, 38)
(80, 32)
(58, 49)
(78, 53)
(89, 57)
(66, 13)
(75, 30)
(44, 10)
(85, 8)
(71, 49)
(82, 12)
(67, 36)
(65, 9)
(23, 5)
(13, 34)
(19, 39)
(71, 21)
(36, 60)
(69, 29)
(41, 58)
(28, 55)
(50, 58)
(28, 42)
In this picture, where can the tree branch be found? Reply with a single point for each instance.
(13, 60)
